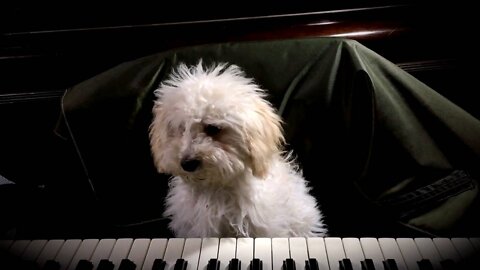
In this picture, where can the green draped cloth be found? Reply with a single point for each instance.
(382, 150)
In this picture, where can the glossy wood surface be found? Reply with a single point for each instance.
(54, 55)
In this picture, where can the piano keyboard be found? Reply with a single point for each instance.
(242, 253)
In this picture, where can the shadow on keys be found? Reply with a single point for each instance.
(242, 253)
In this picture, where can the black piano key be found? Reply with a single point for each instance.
(289, 264)
(472, 262)
(256, 264)
(181, 264)
(425, 264)
(84, 265)
(367, 264)
(213, 264)
(449, 264)
(51, 265)
(126, 264)
(390, 264)
(311, 264)
(235, 264)
(23, 265)
(105, 265)
(7, 261)
(159, 264)
(345, 264)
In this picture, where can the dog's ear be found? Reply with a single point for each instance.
(158, 136)
(264, 137)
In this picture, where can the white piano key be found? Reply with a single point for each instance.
(173, 252)
(156, 250)
(353, 251)
(33, 250)
(49, 251)
(298, 251)
(464, 247)
(226, 251)
(335, 252)
(138, 251)
(427, 249)
(84, 252)
(191, 252)
(66, 253)
(317, 250)
(5, 244)
(209, 251)
(263, 251)
(102, 251)
(280, 252)
(446, 249)
(371, 250)
(476, 243)
(18, 247)
(410, 252)
(391, 250)
(120, 251)
(244, 251)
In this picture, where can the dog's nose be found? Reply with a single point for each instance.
(190, 165)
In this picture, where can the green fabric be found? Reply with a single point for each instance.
(362, 128)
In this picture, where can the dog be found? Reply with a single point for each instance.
(214, 131)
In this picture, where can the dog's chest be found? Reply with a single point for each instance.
(220, 213)
(223, 214)
(202, 212)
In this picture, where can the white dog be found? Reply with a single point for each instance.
(214, 131)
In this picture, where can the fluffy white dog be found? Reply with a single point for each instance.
(222, 141)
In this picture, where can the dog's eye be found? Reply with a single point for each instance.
(211, 130)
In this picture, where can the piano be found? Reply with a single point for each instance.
(315, 253)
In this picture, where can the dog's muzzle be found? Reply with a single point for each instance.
(190, 165)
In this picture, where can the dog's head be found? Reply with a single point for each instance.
(213, 123)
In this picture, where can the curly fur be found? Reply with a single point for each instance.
(242, 183)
